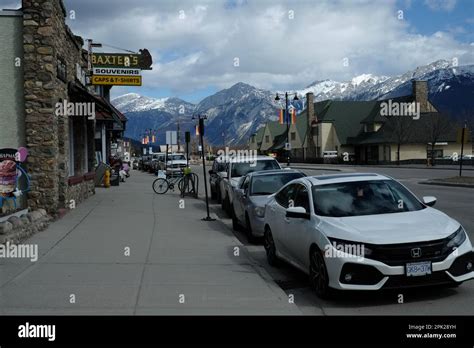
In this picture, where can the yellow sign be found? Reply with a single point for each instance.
(116, 60)
(116, 80)
(459, 137)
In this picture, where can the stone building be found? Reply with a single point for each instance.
(47, 105)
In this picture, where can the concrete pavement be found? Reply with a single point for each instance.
(129, 251)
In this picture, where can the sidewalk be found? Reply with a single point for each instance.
(174, 258)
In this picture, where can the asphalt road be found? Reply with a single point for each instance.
(454, 201)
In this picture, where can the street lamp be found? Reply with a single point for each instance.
(288, 146)
(201, 119)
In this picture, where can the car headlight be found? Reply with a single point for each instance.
(456, 239)
(259, 211)
(354, 248)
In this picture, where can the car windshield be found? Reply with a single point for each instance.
(176, 158)
(363, 198)
(269, 184)
(241, 169)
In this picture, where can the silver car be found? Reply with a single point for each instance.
(252, 194)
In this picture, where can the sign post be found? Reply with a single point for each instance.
(188, 139)
(201, 119)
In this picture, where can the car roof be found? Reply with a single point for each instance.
(344, 177)
(273, 172)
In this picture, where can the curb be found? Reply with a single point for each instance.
(434, 183)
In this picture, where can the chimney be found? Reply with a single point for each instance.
(310, 107)
(420, 93)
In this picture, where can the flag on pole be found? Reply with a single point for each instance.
(153, 139)
(197, 130)
(293, 116)
(143, 141)
(281, 116)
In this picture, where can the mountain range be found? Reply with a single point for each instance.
(237, 112)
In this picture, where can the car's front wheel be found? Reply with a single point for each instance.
(270, 248)
(318, 274)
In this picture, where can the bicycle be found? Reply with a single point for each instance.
(183, 181)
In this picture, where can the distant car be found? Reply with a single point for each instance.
(216, 173)
(468, 157)
(364, 232)
(238, 167)
(176, 163)
(250, 197)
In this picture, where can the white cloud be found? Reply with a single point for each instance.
(274, 51)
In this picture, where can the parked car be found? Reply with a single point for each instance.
(145, 162)
(216, 174)
(156, 162)
(251, 196)
(176, 163)
(364, 232)
(235, 169)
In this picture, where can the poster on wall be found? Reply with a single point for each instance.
(11, 172)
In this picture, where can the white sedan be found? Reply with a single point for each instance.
(364, 232)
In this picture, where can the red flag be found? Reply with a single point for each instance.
(293, 116)
(281, 117)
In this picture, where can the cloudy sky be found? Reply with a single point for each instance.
(202, 46)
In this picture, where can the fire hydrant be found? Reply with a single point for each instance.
(107, 178)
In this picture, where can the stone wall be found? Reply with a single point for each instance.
(81, 191)
(48, 41)
(18, 228)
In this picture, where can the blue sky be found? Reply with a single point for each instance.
(203, 46)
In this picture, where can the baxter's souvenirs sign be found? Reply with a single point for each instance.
(120, 69)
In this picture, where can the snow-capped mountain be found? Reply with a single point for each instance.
(390, 84)
(451, 90)
(133, 102)
(237, 112)
(329, 89)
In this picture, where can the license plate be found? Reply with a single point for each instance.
(416, 269)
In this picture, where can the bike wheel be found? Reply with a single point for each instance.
(182, 184)
(160, 186)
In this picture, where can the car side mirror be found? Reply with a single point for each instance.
(297, 213)
(429, 200)
(211, 172)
